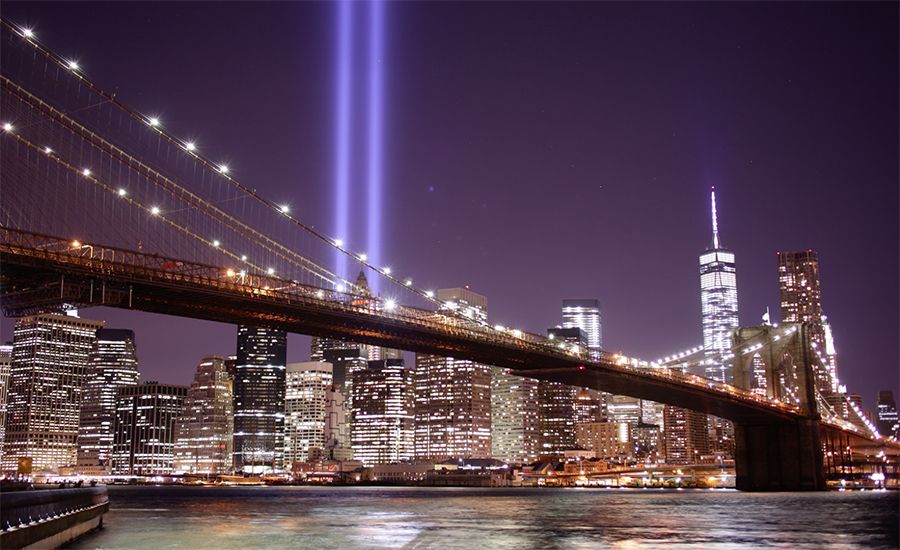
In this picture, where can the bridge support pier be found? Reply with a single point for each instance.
(785, 456)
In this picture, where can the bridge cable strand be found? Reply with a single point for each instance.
(211, 166)
(173, 188)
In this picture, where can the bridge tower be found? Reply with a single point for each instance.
(784, 455)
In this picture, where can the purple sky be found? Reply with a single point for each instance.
(546, 151)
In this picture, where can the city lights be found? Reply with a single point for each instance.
(390, 304)
(270, 271)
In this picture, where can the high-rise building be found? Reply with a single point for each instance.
(556, 417)
(304, 409)
(5, 364)
(686, 435)
(144, 441)
(719, 303)
(205, 430)
(588, 407)
(49, 366)
(514, 417)
(383, 421)
(453, 396)
(585, 314)
(259, 399)
(801, 301)
(887, 422)
(112, 365)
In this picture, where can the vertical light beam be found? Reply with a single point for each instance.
(375, 135)
(342, 123)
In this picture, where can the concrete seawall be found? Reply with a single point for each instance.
(50, 518)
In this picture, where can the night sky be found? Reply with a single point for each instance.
(541, 151)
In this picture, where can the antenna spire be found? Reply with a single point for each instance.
(715, 220)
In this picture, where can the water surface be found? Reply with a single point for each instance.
(338, 518)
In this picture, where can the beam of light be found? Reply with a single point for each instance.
(375, 133)
(342, 127)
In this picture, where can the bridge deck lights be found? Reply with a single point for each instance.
(7, 127)
(47, 150)
(270, 271)
(390, 305)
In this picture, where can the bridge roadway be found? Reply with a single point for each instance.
(40, 272)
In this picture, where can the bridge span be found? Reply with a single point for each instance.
(778, 446)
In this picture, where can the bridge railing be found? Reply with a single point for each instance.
(110, 260)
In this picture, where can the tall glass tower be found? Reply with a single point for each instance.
(585, 314)
(259, 388)
(112, 364)
(719, 303)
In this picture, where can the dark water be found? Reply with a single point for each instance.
(366, 517)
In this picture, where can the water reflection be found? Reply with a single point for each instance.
(358, 517)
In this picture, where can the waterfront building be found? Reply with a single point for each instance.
(259, 387)
(514, 417)
(5, 365)
(383, 419)
(205, 430)
(556, 418)
(606, 439)
(646, 444)
(719, 304)
(49, 364)
(588, 406)
(112, 365)
(801, 301)
(686, 435)
(453, 396)
(144, 441)
(304, 409)
(887, 422)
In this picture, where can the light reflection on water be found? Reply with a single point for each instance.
(336, 518)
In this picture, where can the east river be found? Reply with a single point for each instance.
(338, 518)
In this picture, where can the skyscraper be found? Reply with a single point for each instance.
(5, 364)
(259, 399)
(556, 402)
(719, 303)
(144, 440)
(887, 422)
(585, 314)
(514, 417)
(304, 409)
(801, 301)
(49, 366)
(383, 429)
(205, 429)
(112, 365)
(337, 428)
(453, 396)
(686, 435)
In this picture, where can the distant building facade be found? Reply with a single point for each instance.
(205, 430)
(686, 435)
(304, 408)
(514, 417)
(259, 389)
(453, 396)
(383, 419)
(887, 419)
(112, 365)
(47, 375)
(5, 365)
(144, 441)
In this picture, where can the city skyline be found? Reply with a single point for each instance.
(864, 361)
